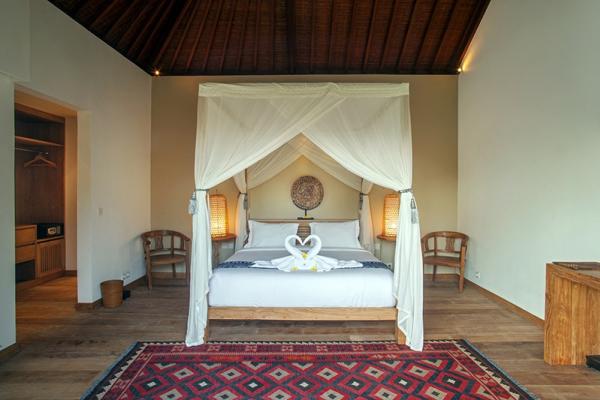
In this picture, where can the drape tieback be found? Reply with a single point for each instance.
(245, 199)
(414, 213)
(193, 203)
(360, 200)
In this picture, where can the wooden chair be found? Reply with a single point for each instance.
(452, 254)
(164, 248)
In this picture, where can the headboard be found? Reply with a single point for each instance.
(304, 227)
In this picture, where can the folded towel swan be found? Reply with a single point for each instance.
(299, 260)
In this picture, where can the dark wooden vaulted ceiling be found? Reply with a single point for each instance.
(250, 37)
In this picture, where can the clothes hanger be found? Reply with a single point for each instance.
(40, 161)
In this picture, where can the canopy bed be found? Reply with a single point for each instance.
(363, 129)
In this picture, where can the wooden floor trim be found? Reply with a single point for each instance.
(35, 282)
(442, 277)
(9, 351)
(303, 313)
(507, 304)
(70, 272)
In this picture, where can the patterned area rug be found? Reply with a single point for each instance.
(450, 369)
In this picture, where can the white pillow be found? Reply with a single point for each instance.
(269, 234)
(337, 234)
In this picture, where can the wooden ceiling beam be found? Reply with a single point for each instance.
(107, 9)
(424, 36)
(142, 53)
(186, 29)
(273, 33)
(451, 16)
(349, 37)
(198, 36)
(227, 36)
(291, 36)
(133, 25)
(132, 6)
(77, 8)
(243, 35)
(313, 29)
(386, 41)
(212, 37)
(331, 25)
(405, 35)
(142, 35)
(369, 36)
(256, 32)
(467, 36)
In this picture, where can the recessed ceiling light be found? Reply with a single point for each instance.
(156, 72)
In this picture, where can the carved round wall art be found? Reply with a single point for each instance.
(307, 192)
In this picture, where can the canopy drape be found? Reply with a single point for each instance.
(363, 127)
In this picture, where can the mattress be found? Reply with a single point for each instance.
(258, 287)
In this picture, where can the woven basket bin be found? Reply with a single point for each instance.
(112, 293)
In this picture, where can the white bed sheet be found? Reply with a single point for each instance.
(256, 287)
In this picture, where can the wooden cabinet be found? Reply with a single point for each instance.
(25, 234)
(572, 323)
(50, 257)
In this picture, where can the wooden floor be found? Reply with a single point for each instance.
(64, 350)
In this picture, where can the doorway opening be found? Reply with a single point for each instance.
(45, 203)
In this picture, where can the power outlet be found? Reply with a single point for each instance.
(478, 275)
(126, 275)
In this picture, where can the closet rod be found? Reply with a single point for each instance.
(31, 151)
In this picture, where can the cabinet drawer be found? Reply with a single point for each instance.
(25, 235)
(25, 253)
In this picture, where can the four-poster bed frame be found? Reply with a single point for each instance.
(304, 313)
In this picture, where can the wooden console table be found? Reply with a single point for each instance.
(572, 323)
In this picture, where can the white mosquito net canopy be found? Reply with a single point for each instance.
(363, 127)
(280, 159)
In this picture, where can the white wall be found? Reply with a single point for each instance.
(529, 135)
(67, 64)
(7, 213)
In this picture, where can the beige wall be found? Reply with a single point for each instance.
(434, 126)
(272, 200)
(529, 140)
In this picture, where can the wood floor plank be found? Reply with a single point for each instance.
(63, 350)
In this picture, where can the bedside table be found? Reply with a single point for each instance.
(216, 246)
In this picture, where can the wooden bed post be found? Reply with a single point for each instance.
(206, 330)
(400, 338)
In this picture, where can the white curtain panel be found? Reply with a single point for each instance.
(363, 127)
(241, 212)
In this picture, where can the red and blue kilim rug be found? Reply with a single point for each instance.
(450, 369)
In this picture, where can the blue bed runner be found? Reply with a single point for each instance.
(248, 264)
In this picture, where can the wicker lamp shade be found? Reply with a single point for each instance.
(391, 208)
(219, 225)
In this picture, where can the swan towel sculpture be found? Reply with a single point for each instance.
(299, 260)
